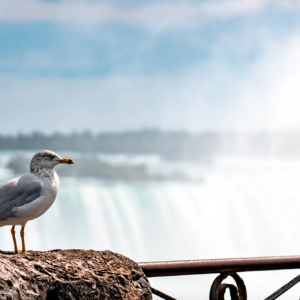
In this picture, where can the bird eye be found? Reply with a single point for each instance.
(49, 156)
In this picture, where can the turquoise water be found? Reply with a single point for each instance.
(242, 207)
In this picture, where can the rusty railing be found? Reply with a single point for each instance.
(226, 267)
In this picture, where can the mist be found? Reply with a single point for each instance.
(182, 118)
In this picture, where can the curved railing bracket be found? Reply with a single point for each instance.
(218, 288)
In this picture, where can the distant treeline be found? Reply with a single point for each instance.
(169, 145)
(91, 167)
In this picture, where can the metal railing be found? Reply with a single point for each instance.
(226, 267)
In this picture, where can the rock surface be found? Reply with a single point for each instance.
(70, 275)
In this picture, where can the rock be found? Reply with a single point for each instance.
(70, 275)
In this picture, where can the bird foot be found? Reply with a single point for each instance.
(17, 251)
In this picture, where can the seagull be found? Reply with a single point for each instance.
(28, 197)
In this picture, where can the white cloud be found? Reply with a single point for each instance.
(206, 97)
(215, 94)
(152, 15)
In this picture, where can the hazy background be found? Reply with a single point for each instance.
(195, 65)
(183, 119)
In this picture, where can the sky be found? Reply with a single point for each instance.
(217, 65)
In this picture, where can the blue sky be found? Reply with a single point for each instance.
(118, 65)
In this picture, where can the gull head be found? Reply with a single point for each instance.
(47, 159)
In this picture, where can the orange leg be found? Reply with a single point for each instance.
(22, 232)
(13, 233)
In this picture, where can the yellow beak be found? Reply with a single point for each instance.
(67, 161)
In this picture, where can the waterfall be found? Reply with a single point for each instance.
(241, 208)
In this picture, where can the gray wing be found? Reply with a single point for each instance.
(17, 192)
